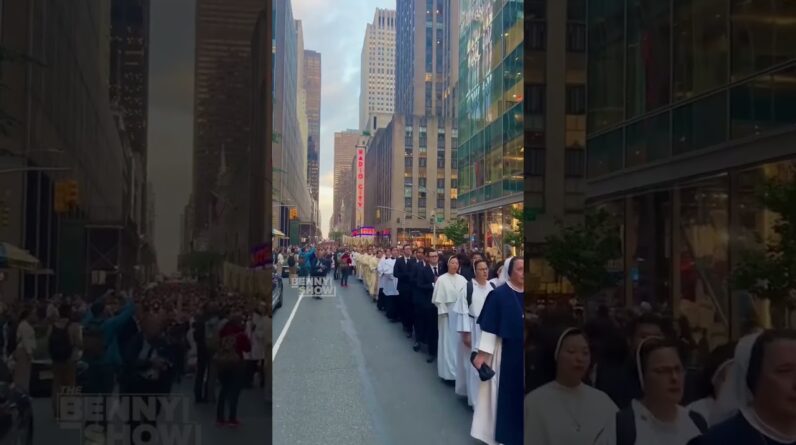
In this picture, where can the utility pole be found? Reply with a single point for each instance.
(434, 228)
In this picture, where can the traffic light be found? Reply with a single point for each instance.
(72, 195)
(59, 200)
(293, 213)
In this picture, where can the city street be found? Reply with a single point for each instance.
(254, 417)
(344, 375)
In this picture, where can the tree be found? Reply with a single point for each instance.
(517, 238)
(458, 231)
(336, 236)
(769, 274)
(581, 253)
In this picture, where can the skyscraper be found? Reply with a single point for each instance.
(345, 144)
(261, 212)
(312, 85)
(377, 74)
(222, 95)
(289, 154)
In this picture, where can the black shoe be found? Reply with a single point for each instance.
(416, 347)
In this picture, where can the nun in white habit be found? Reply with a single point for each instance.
(448, 289)
(467, 380)
(760, 394)
(657, 418)
(566, 410)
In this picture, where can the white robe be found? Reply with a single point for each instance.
(485, 407)
(448, 289)
(466, 375)
(556, 414)
(651, 431)
(387, 280)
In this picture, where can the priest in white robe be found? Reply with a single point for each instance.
(449, 288)
(468, 311)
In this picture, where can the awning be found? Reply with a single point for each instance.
(276, 232)
(12, 257)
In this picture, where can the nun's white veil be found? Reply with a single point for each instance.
(735, 393)
(504, 273)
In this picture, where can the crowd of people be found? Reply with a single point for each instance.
(606, 382)
(464, 314)
(142, 342)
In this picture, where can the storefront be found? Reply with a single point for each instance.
(490, 231)
(679, 243)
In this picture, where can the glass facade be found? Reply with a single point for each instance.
(490, 157)
(490, 115)
(670, 80)
(693, 73)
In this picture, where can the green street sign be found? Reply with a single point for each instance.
(440, 219)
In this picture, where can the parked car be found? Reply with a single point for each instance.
(276, 291)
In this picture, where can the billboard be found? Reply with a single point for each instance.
(360, 184)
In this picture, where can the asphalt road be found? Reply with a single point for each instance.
(344, 375)
(253, 413)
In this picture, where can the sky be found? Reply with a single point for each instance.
(170, 149)
(340, 65)
(171, 99)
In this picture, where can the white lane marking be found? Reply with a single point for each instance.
(285, 328)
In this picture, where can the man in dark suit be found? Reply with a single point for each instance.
(403, 268)
(417, 298)
(424, 284)
(434, 270)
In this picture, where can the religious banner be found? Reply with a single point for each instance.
(360, 186)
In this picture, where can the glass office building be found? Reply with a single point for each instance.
(490, 119)
(691, 107)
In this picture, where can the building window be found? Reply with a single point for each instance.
(576, 99)
(407, 181)
(700, 124)
(441, 141)
(440, 201)
(423, 140)
(422, 162)
(453, 203)
(647, 78)
(440, 183)
(408, 162)
(605, 154)
(534, 162)
(534, 99)
(408, 207)
(421, 182)
(606, 59)
(408, 138)
(647, 141)
(576, 37)
(440, 158)
(536, 35)
(407, 191)
(575, 163)
(757, 45)
(764, 103)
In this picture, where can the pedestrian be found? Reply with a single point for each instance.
(656, 418)
(714, 376)
(345, 268)
(565, 410)
(229, 360)
(762, 385)
(419, 293)
(149, 372)
(23, 353)
(469, 308)
(390, 286)
(65, 343)
(402, 271)
(501, 349)
(448, 289)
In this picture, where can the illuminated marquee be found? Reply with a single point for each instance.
(360, 194)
